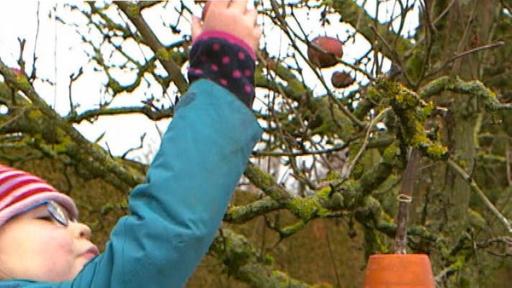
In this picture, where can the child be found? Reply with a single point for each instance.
(175, 214)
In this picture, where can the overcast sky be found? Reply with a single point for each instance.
(60, 53)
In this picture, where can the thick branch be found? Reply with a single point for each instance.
(245, 264)
(57, 130)
(457, 85)
(412, 112)
(266, 183)
(242, 214)
(133, 13)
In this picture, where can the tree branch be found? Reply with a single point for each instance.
(457, 85)
(474, 186)
(245, 264)
(57, 130)
(133, 13)
(356, 16)
(145, 110)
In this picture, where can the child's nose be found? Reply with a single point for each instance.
(82, 230)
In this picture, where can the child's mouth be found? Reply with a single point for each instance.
(91, 253)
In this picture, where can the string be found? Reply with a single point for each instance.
(404, 198)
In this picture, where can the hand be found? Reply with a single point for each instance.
(231, 17)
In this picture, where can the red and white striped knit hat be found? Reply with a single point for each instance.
(20, 191)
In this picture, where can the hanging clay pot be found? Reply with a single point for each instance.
(399, 271)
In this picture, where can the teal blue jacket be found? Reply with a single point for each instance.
(175, 214)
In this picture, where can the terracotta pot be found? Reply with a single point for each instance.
(399, 271)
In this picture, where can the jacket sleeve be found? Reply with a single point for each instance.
(226, 60)
(175, 214)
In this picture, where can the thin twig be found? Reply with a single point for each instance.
(281, 22)
(348, 171)
(465, 53)
(392, 51)
(34, 56)
(474, 186)
(331, 257)
(146, 110)
(444, 12)
(508, 164)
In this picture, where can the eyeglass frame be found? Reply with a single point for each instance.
(56, 211)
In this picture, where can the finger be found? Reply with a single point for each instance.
(258, 37)
(197, 28)
(205, 10)
(253, 16)
(219, 4)
(240, 5)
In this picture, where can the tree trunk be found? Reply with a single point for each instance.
(466, 26)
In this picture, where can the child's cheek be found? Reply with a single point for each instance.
(59, 255)
(57, 245)
(63, 242)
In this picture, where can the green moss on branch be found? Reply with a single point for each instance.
(412, 113)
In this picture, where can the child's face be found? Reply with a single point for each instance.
(34, 246)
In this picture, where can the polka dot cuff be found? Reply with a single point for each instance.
(226, 60)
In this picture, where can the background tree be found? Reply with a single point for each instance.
(331, 159)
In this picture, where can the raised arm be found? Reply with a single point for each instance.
(176, 212)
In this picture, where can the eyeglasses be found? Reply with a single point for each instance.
(58, 213)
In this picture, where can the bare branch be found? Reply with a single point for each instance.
(474, 186)
(133, 13)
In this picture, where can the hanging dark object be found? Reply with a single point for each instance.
(325, 51)
(341, 79)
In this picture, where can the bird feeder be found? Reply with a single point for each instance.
(401, 270)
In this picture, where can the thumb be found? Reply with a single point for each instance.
(196, 27)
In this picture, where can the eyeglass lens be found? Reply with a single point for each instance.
(58, 213)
